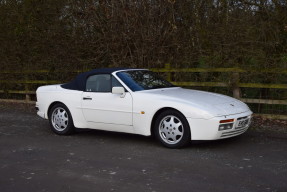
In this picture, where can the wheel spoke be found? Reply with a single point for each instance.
(167, 138)
(62, 124)
(63, 113)
(173, 137)
(177, 125)
(172, 119)
(164, 131)
(65, 118)
(177, 132)
(166, 124)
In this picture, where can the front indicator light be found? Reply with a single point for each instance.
(226, 121)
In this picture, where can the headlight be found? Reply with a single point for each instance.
(225, 124)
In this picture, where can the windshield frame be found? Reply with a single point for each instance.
(135, 86)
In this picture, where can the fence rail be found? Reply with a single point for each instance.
(234, 83)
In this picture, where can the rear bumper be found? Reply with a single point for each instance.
(39, 112)
(207, 129)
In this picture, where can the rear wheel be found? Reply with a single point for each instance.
(60, 119)
(172, 129)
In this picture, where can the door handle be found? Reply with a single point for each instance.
(87, 98)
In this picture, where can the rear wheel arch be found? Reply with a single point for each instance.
(52, 105)
(60, 119)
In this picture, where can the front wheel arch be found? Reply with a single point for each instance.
(172, 129)
(156, 116)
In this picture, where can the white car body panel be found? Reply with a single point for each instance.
(120, 109)
(134, 112)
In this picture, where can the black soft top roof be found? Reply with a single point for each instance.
(79, 83)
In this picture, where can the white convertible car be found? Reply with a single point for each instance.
(138, 101)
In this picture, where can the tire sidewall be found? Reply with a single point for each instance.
(70, 127)
(186, 129)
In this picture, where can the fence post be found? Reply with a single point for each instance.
(167, 67)
(27, 95)
(235, 85)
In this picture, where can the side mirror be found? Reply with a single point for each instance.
(119, 90)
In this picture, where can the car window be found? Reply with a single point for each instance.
(99, 83)
(115, 82)
(138, 80)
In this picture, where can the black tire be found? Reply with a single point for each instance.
(60, 119)
(172, 129)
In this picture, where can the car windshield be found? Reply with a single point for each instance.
(138, 80)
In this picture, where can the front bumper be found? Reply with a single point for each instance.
(207, 129)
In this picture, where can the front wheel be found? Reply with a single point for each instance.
(172, 129)
(60, 120)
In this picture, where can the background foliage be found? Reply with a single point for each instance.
(100, 33)
(82, 34)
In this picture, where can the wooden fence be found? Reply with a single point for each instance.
(234, 83)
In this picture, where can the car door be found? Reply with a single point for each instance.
(99, 105)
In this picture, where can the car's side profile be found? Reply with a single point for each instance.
(138, 101)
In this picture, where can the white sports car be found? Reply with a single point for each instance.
(138, 101)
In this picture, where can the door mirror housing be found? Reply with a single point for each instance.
(119, 90)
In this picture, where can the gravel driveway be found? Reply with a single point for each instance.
(32, 158)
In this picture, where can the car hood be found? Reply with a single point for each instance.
(217, 104)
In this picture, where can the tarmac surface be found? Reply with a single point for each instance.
(33, 158)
